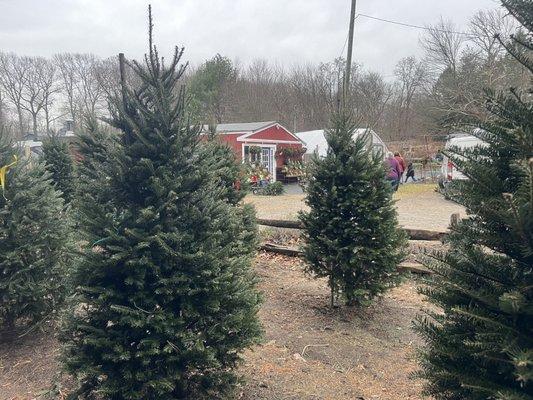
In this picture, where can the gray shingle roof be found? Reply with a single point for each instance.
(243, 126)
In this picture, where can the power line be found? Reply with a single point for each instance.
(414, 26)
(346, 40)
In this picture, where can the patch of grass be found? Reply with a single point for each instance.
(412, 190)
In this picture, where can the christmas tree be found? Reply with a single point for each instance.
(35, 247)
(59, 163)
(351, 231)
(166, 296)
(480, 339)
(229, 172)
(95, 145)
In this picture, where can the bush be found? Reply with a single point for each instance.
(272, 189)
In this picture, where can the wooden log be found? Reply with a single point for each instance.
(415, 268)
(280, 223)
(423, 234)
(294, 252)
(414, 234)
(278, 249)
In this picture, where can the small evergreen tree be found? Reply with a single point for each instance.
(34, 244)
(59, 163)
(351, 232)
(167, 298)
(480, 341)
(96, 145)
(228, 171)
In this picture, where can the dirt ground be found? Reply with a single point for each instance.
(419, 206)
(310, 351)
(314, 352)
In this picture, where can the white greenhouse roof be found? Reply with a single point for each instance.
(315, 141)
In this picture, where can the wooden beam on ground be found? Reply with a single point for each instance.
(414, 234)
(424, 234)
(280, 223)
(295, 252)
(415, 268)
(278, 249)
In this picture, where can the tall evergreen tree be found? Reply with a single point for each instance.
(167, 298)
(351, 231)
(34, 243)
(480, 340)
(58, 162)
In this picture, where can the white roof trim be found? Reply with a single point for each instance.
(242, 139)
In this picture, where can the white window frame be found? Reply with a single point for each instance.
(271, 146)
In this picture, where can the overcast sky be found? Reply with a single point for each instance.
(283, 31)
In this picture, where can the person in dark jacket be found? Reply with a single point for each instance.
(410, 172)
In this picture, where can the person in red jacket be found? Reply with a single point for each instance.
(401, 162)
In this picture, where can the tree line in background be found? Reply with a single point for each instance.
(36, 93)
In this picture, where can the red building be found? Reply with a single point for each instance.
(264, 143)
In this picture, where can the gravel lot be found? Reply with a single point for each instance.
(419, 206)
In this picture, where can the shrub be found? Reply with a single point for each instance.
(272, 189)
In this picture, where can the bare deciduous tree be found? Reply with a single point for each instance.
(82, 82)
(38, 89)
(443, 46)
(410, 78)
(12, 76)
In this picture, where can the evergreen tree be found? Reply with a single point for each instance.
(480, 339)
(351, 231)
(34, 243)
(167, 298)
(96, 146)
(228, 171)
(59, 163)
(210, 89)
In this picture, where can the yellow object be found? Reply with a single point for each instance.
(3, 173)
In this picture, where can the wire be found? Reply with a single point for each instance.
(414, 26)
(346, 40)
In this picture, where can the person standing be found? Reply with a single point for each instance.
(401, 162)
(394, 173)
(410, 173)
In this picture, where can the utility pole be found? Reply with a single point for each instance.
(349, 56)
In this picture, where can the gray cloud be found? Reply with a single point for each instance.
(283, 31)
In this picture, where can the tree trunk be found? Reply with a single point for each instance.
(21, 122)
(34, 122)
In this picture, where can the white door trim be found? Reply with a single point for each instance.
(273, 165)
